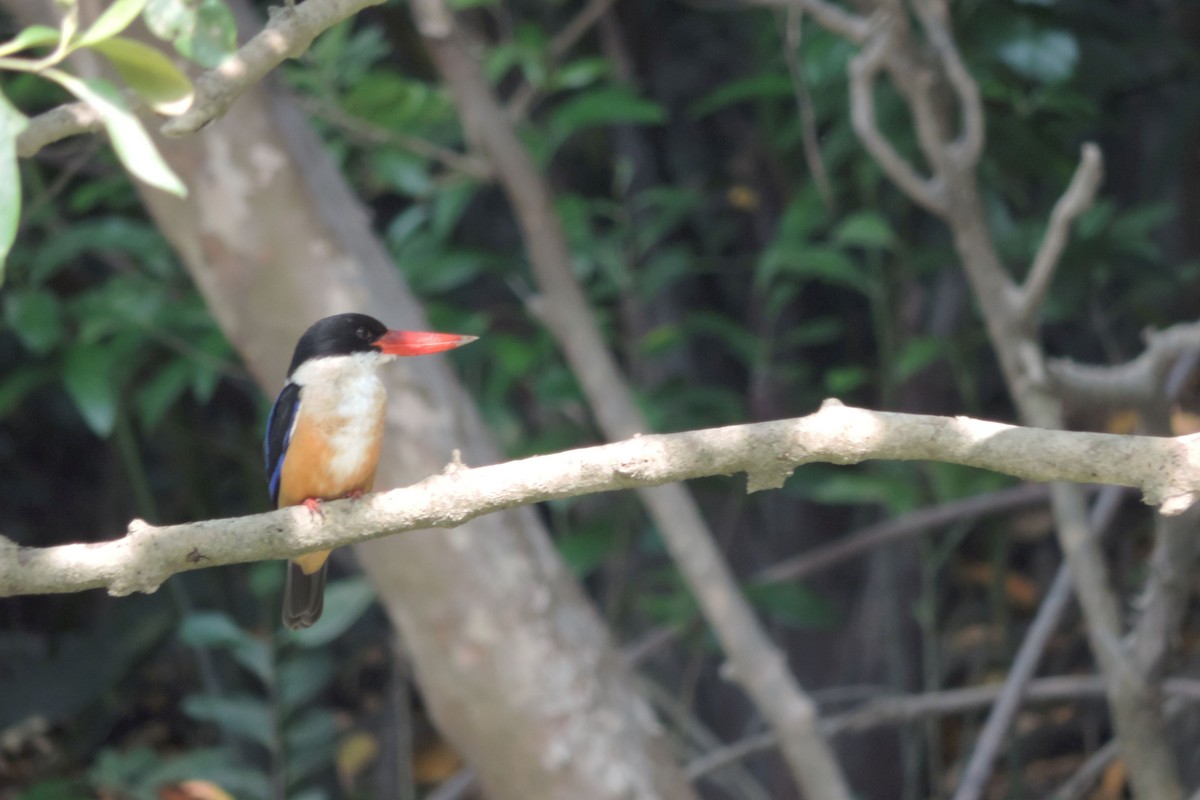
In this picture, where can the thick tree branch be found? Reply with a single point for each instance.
(1166, 470)
(288, 34)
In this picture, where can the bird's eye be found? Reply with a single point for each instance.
(363, 333)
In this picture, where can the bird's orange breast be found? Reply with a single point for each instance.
(334, 445)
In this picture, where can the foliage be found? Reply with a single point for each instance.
(205, 33)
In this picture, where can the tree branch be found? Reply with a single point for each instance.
(1131, 384)
(864, 68)
(991, 738)
(288, 34)
(1075, 200)
(909, 708)
(1166, 470)
(857, 542)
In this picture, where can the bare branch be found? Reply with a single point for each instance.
(792, 26)
(57, 124)
(288, 34)
(864, 68)
(1131, 384)
(1166, 470)
(1075, 200)
(369, 133)
(563, 41)
(1004, 710)
(966, 149)
(908, 708)
(902, 527)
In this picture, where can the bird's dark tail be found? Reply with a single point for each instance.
(303, 596)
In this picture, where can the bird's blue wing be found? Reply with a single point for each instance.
(279, 435)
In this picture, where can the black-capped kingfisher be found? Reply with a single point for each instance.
(325, 430)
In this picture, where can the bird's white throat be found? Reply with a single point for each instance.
(344, 397)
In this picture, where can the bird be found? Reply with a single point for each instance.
(325, 430)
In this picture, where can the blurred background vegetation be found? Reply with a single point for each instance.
(734, 283)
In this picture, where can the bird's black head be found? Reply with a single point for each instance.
(339, 335)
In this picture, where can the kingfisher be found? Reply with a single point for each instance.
(326, 427)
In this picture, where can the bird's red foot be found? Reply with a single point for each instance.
(355, 495)
(313, 504)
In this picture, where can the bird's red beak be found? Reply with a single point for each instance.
(415, 343)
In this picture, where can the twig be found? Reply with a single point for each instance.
(563, 41)
(793, 18)
(1083, 779)
(1075, 200)
(991, 738)
(57, 124)
(288, 34)
(966, 149)
(1167, 470)
(801, 566)
(864, 68)
(455, 787)
(369, 133)
(908, 708)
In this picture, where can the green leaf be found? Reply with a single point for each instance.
(449, 204)
(130, 140)
(586, 549)
(243, 716)
(1049, 56)
(18, 383)
(33, 36)
(88, 378)
(607, 105)
(149, 73)
(811, 262)
(115, 19)
(160, 392)
(169, 19)
(213, 35)
(218, 630)
(309, 737)
(302, 677)
(580, 73)
(36, 317)
(203, 32)
(223, 766)
(55, 789)
(867, 229)
(843, 380)
(345, 602)
(12, 122)
(916, 355)
(767, 85)
(792, 604)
